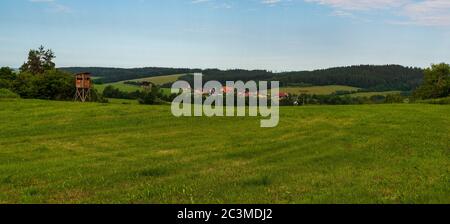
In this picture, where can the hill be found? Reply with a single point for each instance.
(110, 75)
(123, 86)
(368, 77)
(64, 152)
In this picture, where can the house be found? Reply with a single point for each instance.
(283, 95)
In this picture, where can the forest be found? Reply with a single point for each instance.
(369, 77)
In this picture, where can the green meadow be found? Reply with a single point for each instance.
(65, 152)
(317, 90)
(370, 94)
(158, 80)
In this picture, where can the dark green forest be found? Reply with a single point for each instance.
(109, 75)
(368, 77)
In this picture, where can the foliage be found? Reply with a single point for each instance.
(39, 61)
(52, 84)
(6, 77)
(109, 75)
(441, 101)
(6, 93)
(113, 92)
(7, 73)
(395, 98)
(151, 97)
(370, 77)
(154, 96)
(306, 99)
(436, 82)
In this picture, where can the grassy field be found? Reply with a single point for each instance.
(370, 94)
(159, 80)
(317, 90)
(64, 152)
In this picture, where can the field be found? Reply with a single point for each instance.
(159, 80)
(64, 152)
(370, 94)
(317, 90)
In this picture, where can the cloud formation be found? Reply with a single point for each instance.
(53, 5)
(414, 12)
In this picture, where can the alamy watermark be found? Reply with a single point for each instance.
(214, 99)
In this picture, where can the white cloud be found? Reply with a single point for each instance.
(270, 2)
(361, 4)
(53, 6)
(199, 1)
(429, 13)
(41, 0)
(413, 12)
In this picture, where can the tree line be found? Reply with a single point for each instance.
(368, 77)
(39, 79)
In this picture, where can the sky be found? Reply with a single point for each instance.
(277, 35)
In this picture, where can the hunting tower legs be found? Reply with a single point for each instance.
(83, 95)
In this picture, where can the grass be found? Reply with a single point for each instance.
(123, 101)
(119, 85)
(317, 90)
(370, 94)
(159, 80)
(64, 152)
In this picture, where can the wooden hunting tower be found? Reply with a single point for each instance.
(83, 84)
(147, 85)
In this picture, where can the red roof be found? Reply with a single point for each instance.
(227, 89)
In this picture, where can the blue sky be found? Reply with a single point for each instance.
(277, 35)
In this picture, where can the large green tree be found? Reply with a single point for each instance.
(39, 61)
(7, 73)
(6, 77)
(436, 82)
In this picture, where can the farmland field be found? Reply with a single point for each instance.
(159, 80)
(369, 94)
(317, 90)
(64, 152)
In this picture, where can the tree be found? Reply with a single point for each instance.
(436, 82)
(7, 73)
(39, 61)
(52, 84)
(151, 97)
(6, 77)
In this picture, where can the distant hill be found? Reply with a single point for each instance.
(368, 77)
(109, 75)
(376, 78)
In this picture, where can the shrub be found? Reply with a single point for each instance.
(52, 84)
(441, 101)
(7, 94)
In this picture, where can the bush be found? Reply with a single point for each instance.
(52, 85)
(112, 92)
(395, 98)
(152, 97)
(7, 94)
(436, 82)
(440, 101)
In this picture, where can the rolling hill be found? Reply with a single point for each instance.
(368, 77)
